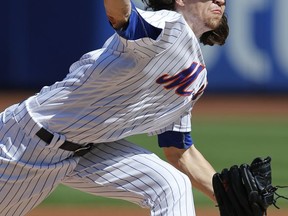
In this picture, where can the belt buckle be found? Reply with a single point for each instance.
(83, 150)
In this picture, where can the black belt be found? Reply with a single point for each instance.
(78, 150)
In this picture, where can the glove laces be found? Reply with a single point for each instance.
(278, 195)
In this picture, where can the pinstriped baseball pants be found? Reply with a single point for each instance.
(30, 170)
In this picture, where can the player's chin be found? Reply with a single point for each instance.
(214, 22)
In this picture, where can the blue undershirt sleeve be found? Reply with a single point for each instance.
(138, 27)
(181, 140)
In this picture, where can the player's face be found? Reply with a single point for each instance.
(212, 12)
(204, 13)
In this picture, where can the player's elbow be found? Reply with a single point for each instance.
(118, 12)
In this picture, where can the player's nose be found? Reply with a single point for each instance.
(219, 2)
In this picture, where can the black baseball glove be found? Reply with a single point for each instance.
(245, 190)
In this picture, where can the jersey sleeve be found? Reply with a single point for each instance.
(183, 124)
(177, 134)
(138, 27)
(149, 33)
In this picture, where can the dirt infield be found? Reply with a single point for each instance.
(241, 105)
(103, 212)
(45, 211)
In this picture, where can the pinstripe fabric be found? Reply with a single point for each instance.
(29, 170)
(109, 94)
(112, 93)
(125, 171)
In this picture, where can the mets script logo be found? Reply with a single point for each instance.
(182, 80)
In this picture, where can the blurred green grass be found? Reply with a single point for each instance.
(224, 141)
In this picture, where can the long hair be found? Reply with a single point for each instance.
(217, 36)
(156, 5)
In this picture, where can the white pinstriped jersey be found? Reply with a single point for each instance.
(128, 87)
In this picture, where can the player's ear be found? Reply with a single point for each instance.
(180, 2)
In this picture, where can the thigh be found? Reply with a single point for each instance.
(126, 171)
(29, 170)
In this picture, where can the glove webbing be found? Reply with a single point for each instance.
(279, 196)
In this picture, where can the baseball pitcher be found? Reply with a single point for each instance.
(145, 79)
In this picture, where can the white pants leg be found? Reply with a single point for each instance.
(29, 169)
(126, 171)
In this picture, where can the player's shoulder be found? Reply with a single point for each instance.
(159, 18)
